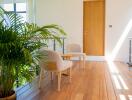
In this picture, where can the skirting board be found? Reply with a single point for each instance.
(92, 58)
(95, 58)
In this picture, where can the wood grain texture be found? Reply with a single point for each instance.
(94, 83)
(94, 27)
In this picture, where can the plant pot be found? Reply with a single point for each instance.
(12, 97)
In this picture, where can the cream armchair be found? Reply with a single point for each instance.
(54, 63)
(75, 51)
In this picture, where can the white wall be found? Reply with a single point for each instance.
(69, 14)
(118, 14)
(66, 13)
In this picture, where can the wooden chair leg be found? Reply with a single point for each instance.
(59, 80)
(84, 60)
(70, 74)
(40, 78)
(79, 61)
(51, 76)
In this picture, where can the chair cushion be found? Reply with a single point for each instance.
(66, 64)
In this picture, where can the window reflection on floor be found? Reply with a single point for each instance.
(118, 81)
(130, 97)
(122, 97)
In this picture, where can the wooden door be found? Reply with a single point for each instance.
(94, 27)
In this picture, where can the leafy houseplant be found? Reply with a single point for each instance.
(19, 45)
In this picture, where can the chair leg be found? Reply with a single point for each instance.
(80, 62)
(40, 78)
(51, 76)
(59, 80)
(84, 60)
(70, 74)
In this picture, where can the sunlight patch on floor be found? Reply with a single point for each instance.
(130, 97)
(117, 78)
(122, 97)
(123, 82)
(117, 83)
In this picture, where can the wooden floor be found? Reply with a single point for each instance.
(99, 81)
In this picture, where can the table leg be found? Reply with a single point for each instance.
(84, 60)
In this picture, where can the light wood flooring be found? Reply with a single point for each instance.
(98, 81)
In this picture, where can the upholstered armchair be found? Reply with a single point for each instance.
(76, 51)
(53, 63)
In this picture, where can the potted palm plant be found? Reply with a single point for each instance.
(19, 46)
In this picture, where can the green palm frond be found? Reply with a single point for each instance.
(2, 11)
(19, 48)
(14, 20)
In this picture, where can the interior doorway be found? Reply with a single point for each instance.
(94, 27)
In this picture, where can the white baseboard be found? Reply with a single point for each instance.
(95, 58)
(92, 58)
